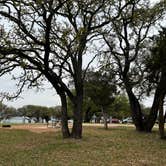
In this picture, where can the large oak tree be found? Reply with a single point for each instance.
(48, 40)
(127, 41)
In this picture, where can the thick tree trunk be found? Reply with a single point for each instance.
(161, 120)
(147, 123)
(135, 109)
(59, 87)
(64, 117)
(151, 119)
(77, 124)
(161, 123)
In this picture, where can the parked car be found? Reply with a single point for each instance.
(127, 120)
(114, 120)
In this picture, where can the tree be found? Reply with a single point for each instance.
(31, 111)
(89, 107)
(6, 112)
(127, 41)
(100, 87)
(120, 107)
(156, 73)
(39, 112)
(55, 112)
(47, 40)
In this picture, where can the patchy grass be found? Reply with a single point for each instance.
(119, 146)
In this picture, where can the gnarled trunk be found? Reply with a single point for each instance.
(64, 116)
(147, 123)
(135, 109)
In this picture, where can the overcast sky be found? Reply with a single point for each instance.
(47, 97)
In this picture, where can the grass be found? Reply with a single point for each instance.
(120, 146)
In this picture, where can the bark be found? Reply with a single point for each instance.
(64, 116)
(77, 124)
(151, 119)
(135, 109)
(60, 89)
(145, 123)
(161, 119)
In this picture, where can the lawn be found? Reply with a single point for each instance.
(121, 146)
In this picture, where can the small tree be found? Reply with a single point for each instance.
(101, 88)
(120, 107)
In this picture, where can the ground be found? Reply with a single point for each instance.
(37, 145)
(40, 128)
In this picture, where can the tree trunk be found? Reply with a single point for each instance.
(87, 116)
(64, 117)
(135, 109)
(77, 124)
(161, 120)
(105, 118)
(151, 119)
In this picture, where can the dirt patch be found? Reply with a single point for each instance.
(40, 128)
(37, 128)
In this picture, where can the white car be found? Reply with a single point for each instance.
(127, 120)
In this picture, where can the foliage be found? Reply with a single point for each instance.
(120, 108)
(100, 87)
(127, 42)
(89, 107)
(156, 60)
(6, 112)
(39, 112)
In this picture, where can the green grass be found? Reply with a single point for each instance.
(119, 146)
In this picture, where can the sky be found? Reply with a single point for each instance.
(47, 97)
